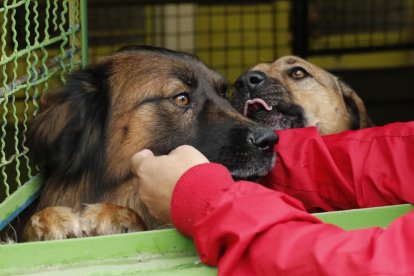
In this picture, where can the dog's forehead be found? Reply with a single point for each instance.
(294, 61)
(136, 75)
(166, 64)
(288, 62)
(282, 64)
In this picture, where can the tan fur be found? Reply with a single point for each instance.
(128, 78)
(53, 223)
(105, 219)
(128, 75)
(56, 223)
(321, 97)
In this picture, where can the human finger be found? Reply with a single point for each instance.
(189, 153)
(139, 157)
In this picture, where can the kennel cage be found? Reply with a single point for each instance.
(375, 37)
(231, 36)
(41, 41)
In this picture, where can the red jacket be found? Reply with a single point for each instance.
(247, 229)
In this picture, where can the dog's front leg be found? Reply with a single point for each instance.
(53, 223)
(107, 219)
(58, 222)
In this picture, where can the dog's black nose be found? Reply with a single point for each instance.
(250, 80)
(264, 138)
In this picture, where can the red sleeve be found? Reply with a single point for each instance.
(353, 169)
(247, 229)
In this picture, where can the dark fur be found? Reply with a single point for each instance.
(76, 149)
(89, 130)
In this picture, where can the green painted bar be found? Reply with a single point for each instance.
(19, 198)
(138, 251)
(162, 252)
(93, 248)
(367, 217)
(34, 47)
(84, 32)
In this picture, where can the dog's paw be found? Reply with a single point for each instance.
(106, 219)
(53, 223)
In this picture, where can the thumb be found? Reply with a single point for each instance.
(139, 157)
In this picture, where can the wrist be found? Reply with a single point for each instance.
(193, 192)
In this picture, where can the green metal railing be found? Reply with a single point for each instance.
(163, 252)
(40, 42)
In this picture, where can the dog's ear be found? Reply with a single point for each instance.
(355, 106)
(67, 135)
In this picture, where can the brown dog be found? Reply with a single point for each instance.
(141, 97)
(292, 93)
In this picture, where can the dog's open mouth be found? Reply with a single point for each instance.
(274, 116)
(252, 106)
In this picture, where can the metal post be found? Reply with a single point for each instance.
(299, 17)
(84, 32)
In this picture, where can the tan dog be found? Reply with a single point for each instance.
(292, 93)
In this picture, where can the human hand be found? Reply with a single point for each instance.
(156, 177)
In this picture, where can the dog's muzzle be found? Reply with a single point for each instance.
(249, 81)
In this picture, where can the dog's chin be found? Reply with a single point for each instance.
(252, 172)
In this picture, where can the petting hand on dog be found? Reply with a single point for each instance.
(248, 229)
(156, 177)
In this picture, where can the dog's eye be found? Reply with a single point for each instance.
(298, 73)
(182, 99)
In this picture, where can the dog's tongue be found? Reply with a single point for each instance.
(255, 101)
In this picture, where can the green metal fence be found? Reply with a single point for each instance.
(40, 42)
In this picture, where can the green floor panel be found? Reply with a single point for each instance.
(162, 252)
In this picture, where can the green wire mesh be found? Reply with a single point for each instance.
(40, 42)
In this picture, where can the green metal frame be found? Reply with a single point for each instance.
(19, 200)
(41, 68)
(365, 217)
(163, 252)
(84, 32)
